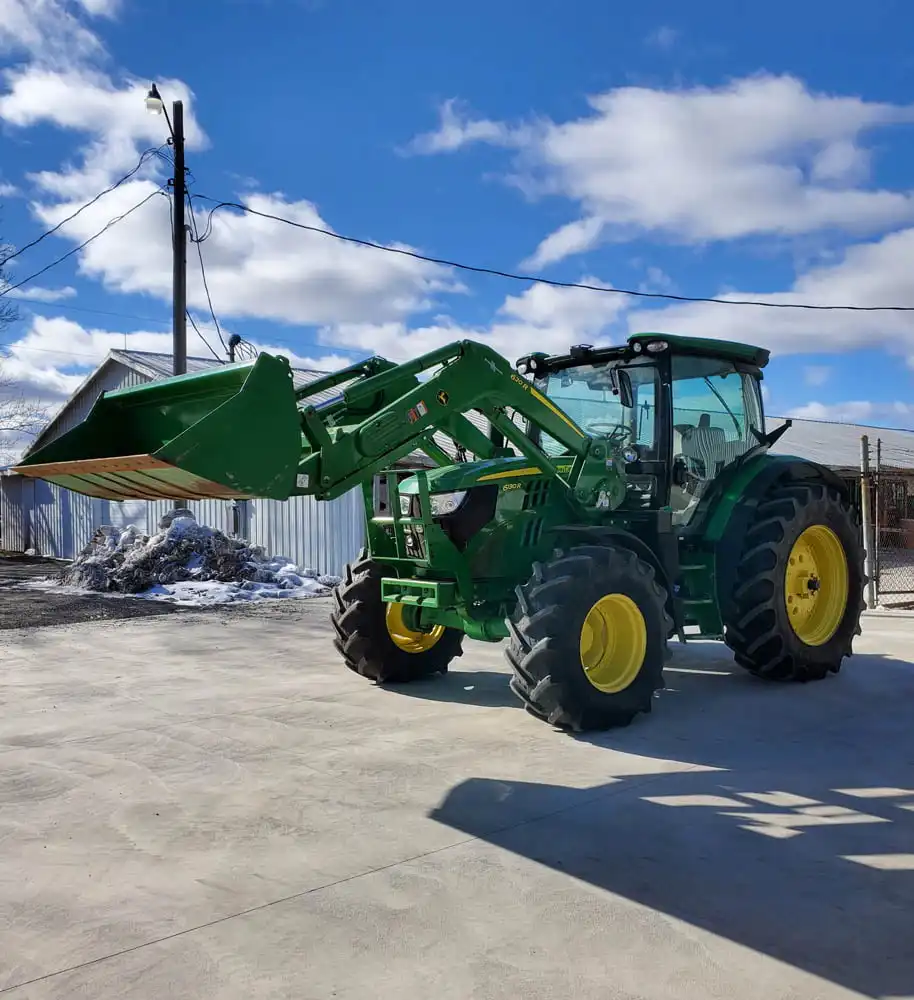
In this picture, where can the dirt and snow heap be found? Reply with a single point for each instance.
(188, 563)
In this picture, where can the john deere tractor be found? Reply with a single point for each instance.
(615, 498)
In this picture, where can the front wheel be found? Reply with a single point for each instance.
(589, 638)
(374, 638)
(799, 586)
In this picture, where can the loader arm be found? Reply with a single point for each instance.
(245, 431)
(390, 411)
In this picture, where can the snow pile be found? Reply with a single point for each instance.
(188, 563)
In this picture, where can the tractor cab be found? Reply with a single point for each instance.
(679, 410)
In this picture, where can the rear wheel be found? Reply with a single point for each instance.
(374, 637)
(589, 638)
(799, 587)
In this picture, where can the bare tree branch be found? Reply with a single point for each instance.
(21, 417)
(8, 311)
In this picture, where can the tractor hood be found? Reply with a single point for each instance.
(466, 475)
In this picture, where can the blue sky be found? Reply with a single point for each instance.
(702, 149)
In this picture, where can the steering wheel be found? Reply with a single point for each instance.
(605, 428)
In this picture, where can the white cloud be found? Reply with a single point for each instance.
(759, 156)
(36, 292)
(256, 267)
(664, 37)
(8, 190)
(48, 31)
(894, 414)
(869, 274)
(816, 374)
(51, 344)
(100, 8)
(572, 238)
(542, 318)
(112, 121)
(456, 129)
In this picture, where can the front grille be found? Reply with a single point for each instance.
(532, 533)
(536, 494)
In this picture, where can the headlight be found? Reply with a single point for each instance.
(446, 503)
(442, 504)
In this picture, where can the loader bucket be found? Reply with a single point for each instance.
(232, 432)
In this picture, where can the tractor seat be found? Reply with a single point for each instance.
(707, 445)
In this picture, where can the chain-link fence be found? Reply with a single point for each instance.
(893, 528)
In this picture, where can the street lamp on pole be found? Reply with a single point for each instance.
(156, 106)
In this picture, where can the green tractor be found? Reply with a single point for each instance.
(616, 497)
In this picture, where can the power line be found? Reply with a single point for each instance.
(209, 298)
(82, 208)
(49, 350)
(86, 309)
(536, 279)
(200, 335)
(83, 245)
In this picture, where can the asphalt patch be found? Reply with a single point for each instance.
(21, 608)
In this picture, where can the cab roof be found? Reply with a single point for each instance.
(728, 350)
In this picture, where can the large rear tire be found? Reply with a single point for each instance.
(799, 586)
(372, 637)
(589, 639)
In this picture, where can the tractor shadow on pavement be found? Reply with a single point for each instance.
(777, 817)
(486, 688)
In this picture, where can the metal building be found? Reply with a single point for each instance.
(56, 522)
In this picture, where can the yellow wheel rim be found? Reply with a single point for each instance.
(816, 585)
(613, 643)
(405, 638)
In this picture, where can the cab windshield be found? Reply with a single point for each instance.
(586, 394)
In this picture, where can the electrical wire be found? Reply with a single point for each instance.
(49, 350)
(101, 312)
(83, 245)
(532, 278)
(209, 298)
(82, 208)
(205, 341)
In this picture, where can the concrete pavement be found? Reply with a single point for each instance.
(211, 806)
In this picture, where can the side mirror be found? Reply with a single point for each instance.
(622, 386)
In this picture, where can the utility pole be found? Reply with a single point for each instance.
(179, 275)
(155, 105)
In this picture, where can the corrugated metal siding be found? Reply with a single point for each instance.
(62, 523)
(213, 513)
(121, 513)
(14, 525)
(323, 535)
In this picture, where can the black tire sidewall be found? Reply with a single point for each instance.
(545, 652)
(388, 660)
(829, 512)
(639, 589)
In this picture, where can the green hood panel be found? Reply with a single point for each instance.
(494, 472)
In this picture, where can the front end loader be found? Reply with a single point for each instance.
(616, 497)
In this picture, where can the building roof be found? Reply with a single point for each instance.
(157, 365)
(838, 445)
